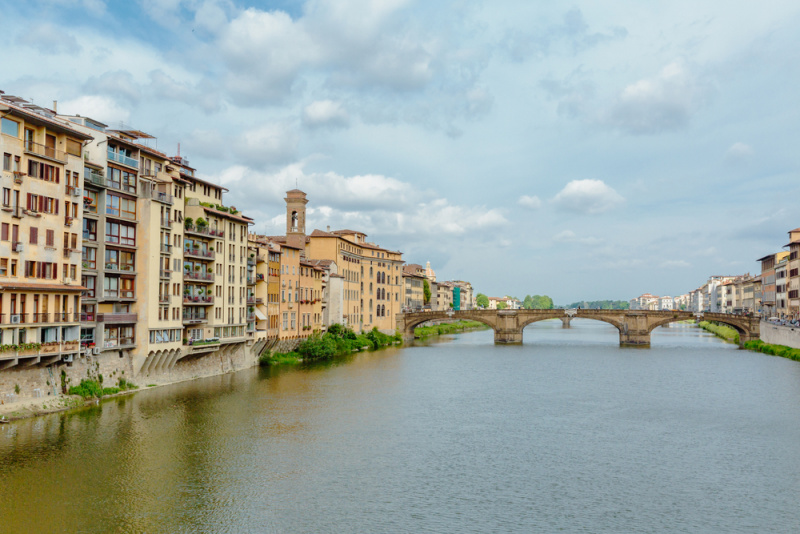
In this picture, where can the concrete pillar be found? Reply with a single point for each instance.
(507, 331)
(565, 321)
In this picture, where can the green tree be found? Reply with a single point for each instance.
(426, 291)
(482, 300)
(527, 303)
(502, 306)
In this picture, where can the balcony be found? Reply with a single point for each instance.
(166, 223)
(95, 178)
(261, 258)
(198, 346)
(198, 253)
(64, 317)
(68, 221)
(163, 299)
(194, 318)
(117, 318)
(162, 197)
(165, 248)
(40, 317)
(120, 343)
(111, 295)
(251, 317)
(259, 278)
(39, 149)
(205, 300)
(198, 276)
(88, 317)
(203, 230)
(119, 214)
(120, 267)
(251, 262)
(123, 159)
(164, 274)
(251, 300)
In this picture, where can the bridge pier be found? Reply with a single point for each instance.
(565, 321)
(634, 339)
(507, 331)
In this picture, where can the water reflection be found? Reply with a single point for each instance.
(566, 432)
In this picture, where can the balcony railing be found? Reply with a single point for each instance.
(121, 158)
(165, 273)
(89, 236)
(123, 342)
(166, 248)
(209, 254)
(117, 318)
(205, 230)
(87, 317)
(195, 318)
(14, 318)
(251, 281)
(260, 277)
(163, 299)
(251, 317)
(197, 275)
(166, 223)
(40, 317)
(122, 186)
(122, 267)
(198, 300)
(95, 178)
(119, 214)
(162, 197)
(45, 151)
(251, 299)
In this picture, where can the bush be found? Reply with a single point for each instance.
(725, 332)
(783, 351)
(87, 389)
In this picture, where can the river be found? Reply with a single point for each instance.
(567, 432)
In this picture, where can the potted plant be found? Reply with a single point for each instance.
(201, 223)
(188, 222)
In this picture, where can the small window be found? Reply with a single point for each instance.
(9, 127)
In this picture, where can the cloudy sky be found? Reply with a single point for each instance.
(579, 150)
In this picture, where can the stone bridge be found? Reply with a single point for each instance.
(634, 326)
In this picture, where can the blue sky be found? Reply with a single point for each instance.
(578, 150)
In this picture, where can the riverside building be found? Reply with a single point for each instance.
(40, 241)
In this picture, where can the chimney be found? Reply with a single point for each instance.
(55, 106)
(329, 228)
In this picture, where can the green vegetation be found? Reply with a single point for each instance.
(537, 302)
(725, 332)
(337, 341)
(89, 389)
(426, 291)
(502, 305)
(447, 328)
(601, 304)
(482, 300)
(773, 350)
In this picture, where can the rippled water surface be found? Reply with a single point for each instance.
(567, 432)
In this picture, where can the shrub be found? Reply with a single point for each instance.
(87, 389)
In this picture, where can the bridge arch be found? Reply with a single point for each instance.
(559, 314)
(412, 320)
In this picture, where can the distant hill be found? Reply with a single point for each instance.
(601, 304)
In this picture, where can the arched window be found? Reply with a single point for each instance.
(294, 220)
(370, 272)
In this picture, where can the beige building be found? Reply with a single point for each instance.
(793, 282)
(40, 241)
(413, 285)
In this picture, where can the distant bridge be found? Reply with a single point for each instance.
(634, 326)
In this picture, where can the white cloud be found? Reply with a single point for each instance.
(530, 202)
(48, 39)
(325, 113)
(274, 143)
(588, 197)
(662, 103)
(372, 203)
(568, 236)
(738, 153)
(97, 107)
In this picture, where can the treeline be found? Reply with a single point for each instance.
(600, 304)
(337, 341)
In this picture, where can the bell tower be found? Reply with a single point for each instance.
(296, 218)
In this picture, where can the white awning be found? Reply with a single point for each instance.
(260, 315)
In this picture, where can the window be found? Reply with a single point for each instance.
(89, 258)
(6, 196)
(6, 162)
(9, 127)
(110, 286)
(34, 238)
(90, 230)
(73, 147)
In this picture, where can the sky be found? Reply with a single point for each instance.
(581, 150)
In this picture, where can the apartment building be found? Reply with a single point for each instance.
(768, 300)
(413, 285)
(463, 295)
(793, 290)
(40, 243)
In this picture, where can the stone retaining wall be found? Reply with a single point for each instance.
(780, 335)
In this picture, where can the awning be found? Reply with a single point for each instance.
(260, 315)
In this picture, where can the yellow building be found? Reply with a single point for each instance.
(40, 241)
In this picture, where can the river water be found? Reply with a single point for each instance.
(567, 432)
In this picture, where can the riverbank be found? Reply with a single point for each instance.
(336, 342)
(448, 328)
(725, 332)
(783, 351)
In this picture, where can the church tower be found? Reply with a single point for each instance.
(296, 218)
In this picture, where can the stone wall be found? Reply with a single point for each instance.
(780, 335)
(39, 381)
